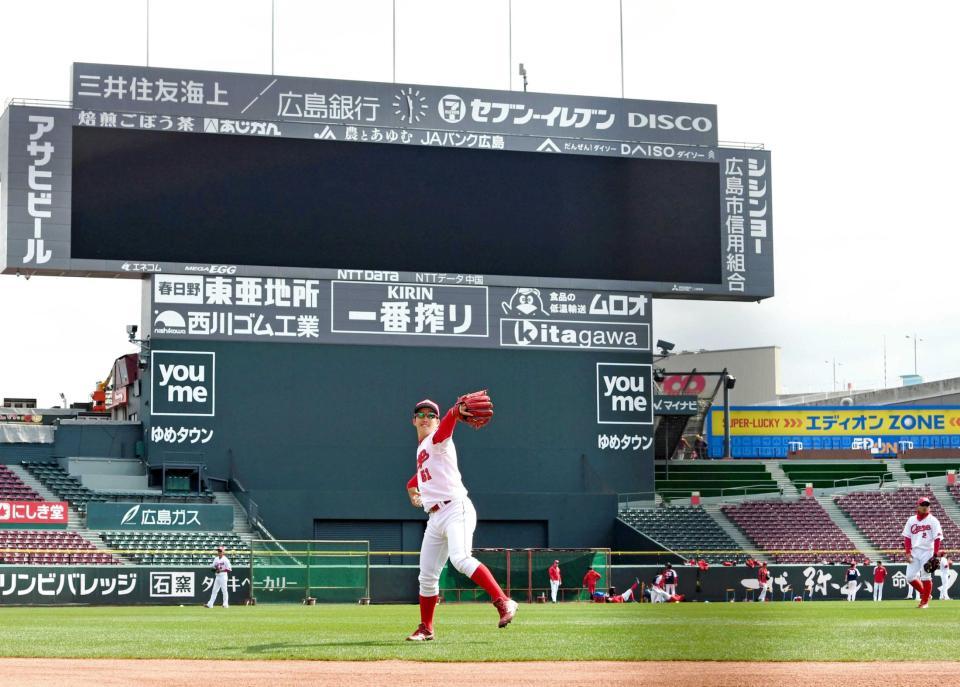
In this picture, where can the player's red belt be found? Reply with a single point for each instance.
(437, 506)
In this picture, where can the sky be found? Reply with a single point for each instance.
(855, 100)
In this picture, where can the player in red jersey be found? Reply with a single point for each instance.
(879, 575)
(763, 577)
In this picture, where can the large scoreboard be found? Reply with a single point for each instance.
(178, 171)
(328, 240)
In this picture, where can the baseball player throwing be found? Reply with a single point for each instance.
(438, 488)
(922, 539)
(221, 568)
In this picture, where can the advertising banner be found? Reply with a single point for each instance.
(53, 223)
(811, 582)
(51, 514)
(674, 405)
(746, 214)
(453, 310)
(757, 431)
(115, 585)
(262, 104)
(193, 517)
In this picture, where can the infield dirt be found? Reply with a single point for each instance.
(37, 672)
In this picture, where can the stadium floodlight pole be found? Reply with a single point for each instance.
(394, 41)
(622, 91)
(915, 340)
(727, 379)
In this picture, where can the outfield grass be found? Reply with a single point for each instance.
(819, 631)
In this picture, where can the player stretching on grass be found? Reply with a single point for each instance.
(922, 538)
(438, 489)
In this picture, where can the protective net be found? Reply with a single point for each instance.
(523, 573)
(289, 571)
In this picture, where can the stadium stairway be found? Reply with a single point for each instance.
(74, 521)
(734, 532)
(896, 469)
(949, 504)
(786, 486)
(848, 527)
(241, 526)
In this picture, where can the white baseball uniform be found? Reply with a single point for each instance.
(921, 533)
(452, 518)
(945, 565)
(222, 568)
(658, 594)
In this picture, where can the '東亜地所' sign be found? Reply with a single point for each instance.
(292, 310)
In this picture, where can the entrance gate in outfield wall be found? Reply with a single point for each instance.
(295, 570)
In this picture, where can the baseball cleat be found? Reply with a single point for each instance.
(507, 609)
(923, 604)
(421, 634)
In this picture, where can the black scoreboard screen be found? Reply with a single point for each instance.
(243, 200)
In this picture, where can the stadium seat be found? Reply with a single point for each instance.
(881, 515)
(794, 526)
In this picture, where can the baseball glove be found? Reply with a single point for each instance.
(932, 565)
(476, 409)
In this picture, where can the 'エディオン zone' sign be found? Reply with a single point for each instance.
(767, 431)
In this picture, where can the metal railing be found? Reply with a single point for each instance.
(766, 488)
(863, 479)
(249, 506)
(37, 102)
(623, 500)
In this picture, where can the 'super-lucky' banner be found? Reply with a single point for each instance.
(842, 421)
(764, 432)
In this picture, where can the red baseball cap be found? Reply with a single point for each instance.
(427, 403)
(923, 501)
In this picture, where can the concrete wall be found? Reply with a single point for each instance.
(325, 433)
(757, 371)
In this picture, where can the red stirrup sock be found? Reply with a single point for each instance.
(484, 578)
(927, 589)
(918, 585)
(427, 606)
